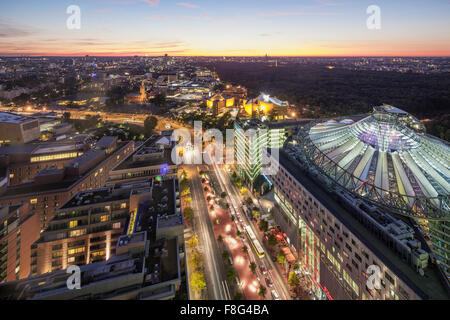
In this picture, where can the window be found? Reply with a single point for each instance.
(116, 225)
(73, 224)
(123, 205)
(77, 233)
(33, 201)
(104, 218)
(390, 279)
(75, 251)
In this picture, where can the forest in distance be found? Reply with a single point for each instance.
(320, 92)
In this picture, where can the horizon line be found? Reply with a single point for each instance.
(217, 56)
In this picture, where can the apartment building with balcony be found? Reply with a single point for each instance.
(88, 227)
(19, 228)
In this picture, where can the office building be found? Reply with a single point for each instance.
(53, 186)
(252, 137)
(153, 158)
(19, 228)
(87, 227)
(339, 220)
(17, 129)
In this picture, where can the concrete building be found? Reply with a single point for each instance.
(87, 227)
(151, 159)
(53, 186)
(19, 228)
(145, 270)
(338, 230)
(24, 163)
(17, 129)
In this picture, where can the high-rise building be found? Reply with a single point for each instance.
(19, 228)
(87, 227)
(359, 196)
(252, 137)
(53, 186)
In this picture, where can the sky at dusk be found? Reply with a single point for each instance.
(226, 28)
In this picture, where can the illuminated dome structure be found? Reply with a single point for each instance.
(386, 159)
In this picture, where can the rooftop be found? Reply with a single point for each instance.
(430, 286)
(8, 117)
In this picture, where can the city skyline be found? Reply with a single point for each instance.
(199, 28)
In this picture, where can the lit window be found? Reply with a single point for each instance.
(33, 201)
(11, 175)
(104, 218)
(73, 224)
(123, 205)
(116, 225)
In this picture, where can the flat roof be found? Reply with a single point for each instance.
(429, 286)
(130, 163)
(8, 117)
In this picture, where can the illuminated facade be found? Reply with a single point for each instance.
(351, 195)
(386, 160)
(219, 103)
(249, 148)
(336, 241)
(266, 105)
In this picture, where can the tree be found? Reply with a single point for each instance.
(223, 195)
(249, 201)
(196, 260)
(159, 99)
(238, 182)
(192, 242)
(185, 191)
(252, 267)
(293, 279)
(198, 282)
(234, 175)
(231, 274)
(238, 234)
(262, 291)
(281, 257)
(225, 255)
(208, 198)
(263, 225)
(272, 240)
(238, 296)
(202, 173)
(296, 266)
(188, 213)
(150, 124)
(66, 117)
(256, 213)
(244, 249)
(206, 189)
(187, 199)
(220, 239)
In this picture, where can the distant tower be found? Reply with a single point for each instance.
(276, 63)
